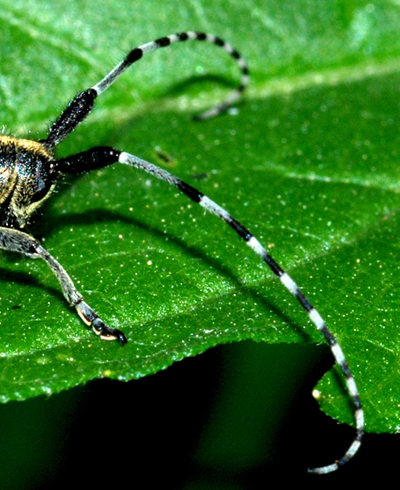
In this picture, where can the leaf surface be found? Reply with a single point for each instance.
(309, 163)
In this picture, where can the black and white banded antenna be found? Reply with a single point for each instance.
(140, 51)
(99, 157)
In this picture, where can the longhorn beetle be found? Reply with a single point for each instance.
(29, 172)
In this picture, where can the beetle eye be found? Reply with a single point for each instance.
(41, 190)
(41, 182)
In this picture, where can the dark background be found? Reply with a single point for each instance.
(237, 417)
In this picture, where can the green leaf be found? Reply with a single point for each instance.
(309, 164)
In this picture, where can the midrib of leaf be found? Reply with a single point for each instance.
(328, 77)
